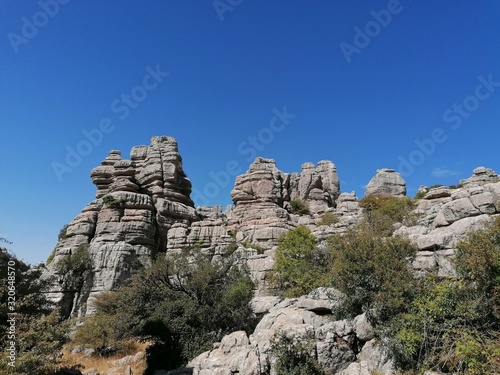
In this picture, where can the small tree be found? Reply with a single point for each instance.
(76, 267)
(383, 211)
(300, 265)
(372, 271)
(40, 332)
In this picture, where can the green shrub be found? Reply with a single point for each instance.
(372, 271)
(420, 194)
(39, 343)
(249, 245)
(183, 304)
(300, 265)
(294, 355)
(62, 233)
(383, 211)
(260, 249)
(103, 330)
(50, 258)
(111, 201)
(299, 207)
(446, 329)
(328, 218)
(478, 261)
(75, 268)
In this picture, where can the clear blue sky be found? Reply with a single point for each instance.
(364, 79)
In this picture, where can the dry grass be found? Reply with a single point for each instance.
(104, 364)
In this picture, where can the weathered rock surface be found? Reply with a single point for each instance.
(317, 186)
(138, 201)
(262, 197)
(258, 198)
(337, 343)
(481, 176)
(386, 182)
(446, 216)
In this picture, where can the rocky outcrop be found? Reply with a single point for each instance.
(481, 176)
(258, 197)
(317, 186)
(262, 197)
(143, 210)
(138, 201)
(386, 182)
(446, 215)
(336, 343)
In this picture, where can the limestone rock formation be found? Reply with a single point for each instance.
(446, 216)
(258, 197)
(143, 210)
(337, 343)
(386, 182)
(138, 201)
(318, 186)
(481, 176)
(262, 197)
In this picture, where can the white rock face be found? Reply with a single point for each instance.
(446, 216)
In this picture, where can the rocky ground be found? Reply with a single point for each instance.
(143, 210)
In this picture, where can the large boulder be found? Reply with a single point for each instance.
(386, 182)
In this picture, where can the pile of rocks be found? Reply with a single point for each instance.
(337, 343)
